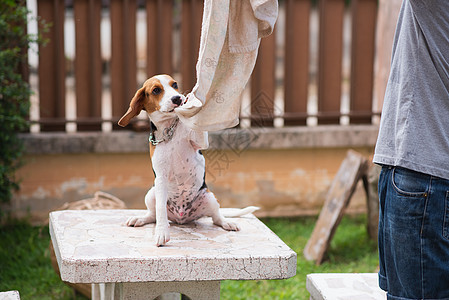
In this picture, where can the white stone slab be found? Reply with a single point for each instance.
(344, 286)
(10, 295)
(94, 246)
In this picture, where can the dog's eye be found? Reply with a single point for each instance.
(156, 91)
(175, 85)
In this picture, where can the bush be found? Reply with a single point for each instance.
(14, 91)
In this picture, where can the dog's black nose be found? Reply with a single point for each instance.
(176, 100)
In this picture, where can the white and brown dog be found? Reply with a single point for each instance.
(179, 193)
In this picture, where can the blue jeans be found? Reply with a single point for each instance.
(413, 234)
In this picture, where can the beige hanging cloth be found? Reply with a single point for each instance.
(230, 38)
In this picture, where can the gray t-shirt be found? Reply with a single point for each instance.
(414, 128)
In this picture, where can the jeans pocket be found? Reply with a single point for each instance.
(446, 217)
(410, 183)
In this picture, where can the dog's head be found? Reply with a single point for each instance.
(158, 96)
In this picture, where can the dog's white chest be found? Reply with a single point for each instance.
(183, 168)
(186, 190)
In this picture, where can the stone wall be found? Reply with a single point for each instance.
(286, 172)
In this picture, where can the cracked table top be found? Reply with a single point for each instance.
(94, 246)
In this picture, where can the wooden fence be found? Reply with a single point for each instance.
(292, 58)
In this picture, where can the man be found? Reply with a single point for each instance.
(413, 149)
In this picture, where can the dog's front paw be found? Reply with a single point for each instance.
(230, 226)
(139, 221)
(162, 234)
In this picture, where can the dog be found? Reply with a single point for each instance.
(179, 193)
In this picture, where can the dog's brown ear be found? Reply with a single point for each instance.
(135, 106)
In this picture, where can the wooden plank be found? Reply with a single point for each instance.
(385, 28)
(263, 84)
(130, 50)
(362, 62)
(24, 67)
(88, 61)
(123, 55)
(165, 41)
(159, 37)
(296, 76)
(373, 200)
(117, 87)
(330, 60)
(353, 168)
(52, 64)
(152, 37)
(191, 16)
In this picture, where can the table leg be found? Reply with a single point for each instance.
(194, 290)
(104, 291)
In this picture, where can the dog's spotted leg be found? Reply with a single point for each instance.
(213, 209)
(162, 230)
(149, 217)
(162, 234)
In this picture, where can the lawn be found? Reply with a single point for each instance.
(25, 260)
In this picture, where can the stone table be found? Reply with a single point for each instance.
(94, 246)
(344, 286)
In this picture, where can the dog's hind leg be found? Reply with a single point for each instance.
(150, 216)
(213, 210)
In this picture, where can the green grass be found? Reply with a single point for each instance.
(350, 251)
(25, 261)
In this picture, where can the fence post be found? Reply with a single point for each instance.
(192, 12)
(385, 28)
(362, 61)
(159, 36)
(23, 67)
(263, 84)
(123, 55)
(296, 61)
(152, 34)
(52, 66)
(88, 62)
(330, 60)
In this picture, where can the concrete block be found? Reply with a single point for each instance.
(10, 295)
(344, 286)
